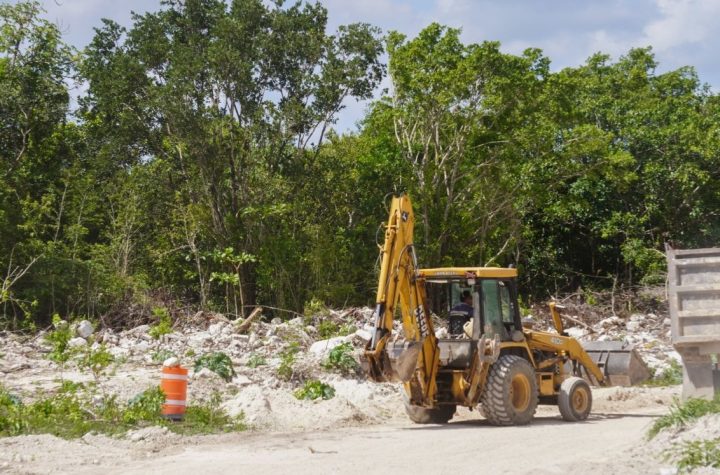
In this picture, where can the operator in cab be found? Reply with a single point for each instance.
(465, 304)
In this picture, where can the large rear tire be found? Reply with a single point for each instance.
(425, 415)
(511, 394)
(575, 399)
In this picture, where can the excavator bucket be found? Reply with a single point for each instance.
(619, 362)
(396, 363)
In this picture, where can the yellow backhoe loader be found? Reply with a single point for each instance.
(487, 359)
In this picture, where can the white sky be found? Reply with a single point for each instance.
(681, 32)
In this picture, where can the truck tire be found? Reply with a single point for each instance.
(511, 395)
(575, 399)
(427, 415)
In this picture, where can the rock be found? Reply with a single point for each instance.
(276, 321)
(139, 330)
(84, 329)
(241, 380)
(141, 347)
(204, 373)
(667, 322)
(171, 362)
(576, 332)
(216, 328)
(633, 325)
(77, 342)
(366, 335)
(324, 346)
(439, 333)
(297, 321)
(199, 339)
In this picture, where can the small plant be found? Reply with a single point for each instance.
(161, 355)
(96, 360)
(70, 386)
(287, 361)
(315, 307)
(145, 407)
(256, 360)
(163, 325)
(218, 362)
(315, 390)
(190, 353)
(341, 358)
(670, 377)
(694, 454)
(683, 413)
(327, 329)
(58, 338)
(208, 418)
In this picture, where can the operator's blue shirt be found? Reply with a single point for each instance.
(463, 307)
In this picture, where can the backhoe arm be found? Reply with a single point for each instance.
(413, 359)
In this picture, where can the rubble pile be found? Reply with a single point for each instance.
(271, 358)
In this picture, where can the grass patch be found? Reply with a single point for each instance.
(256, 360)
(672, 376)
(681, 414)
(694, 454)
(315, 390)
(73, 414)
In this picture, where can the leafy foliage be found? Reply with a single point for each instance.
(217, 362)
(315, 390)
(287, 360)
(669, 377)
(69, 414)
(256, 360)
(694, 454)
(203, 168)
(163, 325)
(340, 358)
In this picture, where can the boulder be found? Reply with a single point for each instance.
(77, 342)
(84, 329)
(323, 347)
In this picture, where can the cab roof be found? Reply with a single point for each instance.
(468, 272)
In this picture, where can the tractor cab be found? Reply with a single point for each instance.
(493, 309)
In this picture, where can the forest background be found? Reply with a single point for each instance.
(199, 167)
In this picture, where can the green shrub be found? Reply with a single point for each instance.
(315, 307)
(681, 414)
(672, 376)
(69, 415)
(287, 361)
(145, 407)
(58, 338)
(218, 362)
(96, 360)
(341, 358)
(327, 329)
(256, 360)
(315, 390)
(694, 454)
(163, 325)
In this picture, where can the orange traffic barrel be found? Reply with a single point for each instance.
(173, 383)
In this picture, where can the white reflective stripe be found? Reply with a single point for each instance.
(179, 377)
(175, 402)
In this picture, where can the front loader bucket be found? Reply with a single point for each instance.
(618, 361)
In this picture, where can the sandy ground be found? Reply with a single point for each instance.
(611, 441)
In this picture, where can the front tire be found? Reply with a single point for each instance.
(575, 399)
(511, 394)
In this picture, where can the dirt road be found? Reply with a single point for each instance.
(611, 441)
(602, 445)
